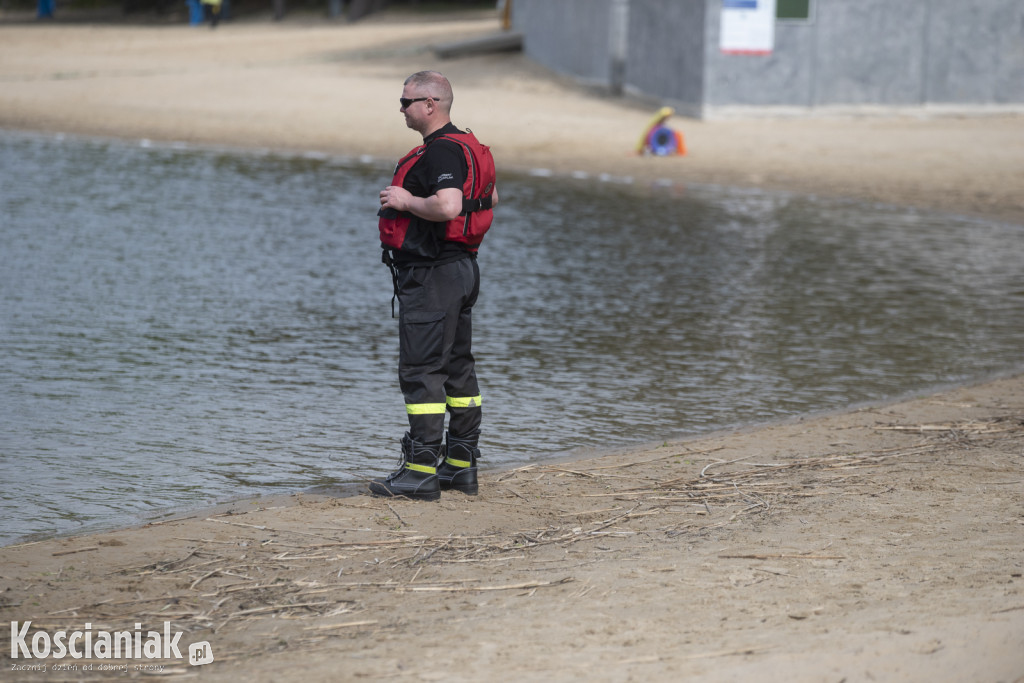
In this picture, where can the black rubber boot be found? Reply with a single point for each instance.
(458, 471)
(416, 476)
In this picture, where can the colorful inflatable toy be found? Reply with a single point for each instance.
(659, 139)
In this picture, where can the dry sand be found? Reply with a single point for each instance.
(885, 543)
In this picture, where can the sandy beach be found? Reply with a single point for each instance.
(883, 543)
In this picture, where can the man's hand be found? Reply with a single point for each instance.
(438, 208)
(393, 197)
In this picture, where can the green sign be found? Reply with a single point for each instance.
(793, 9)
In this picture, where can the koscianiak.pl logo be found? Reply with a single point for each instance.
(62, 649)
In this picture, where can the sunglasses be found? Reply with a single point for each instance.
(407, 102)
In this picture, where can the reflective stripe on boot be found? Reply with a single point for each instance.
(413, 478)
(458, 471)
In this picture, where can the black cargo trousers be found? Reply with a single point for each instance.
(436, 370)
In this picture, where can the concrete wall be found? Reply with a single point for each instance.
(878, 52)
(569, 36)
(850, 53)
(666, 51)
(976, 52)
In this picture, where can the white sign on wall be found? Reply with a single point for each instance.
(748, 27)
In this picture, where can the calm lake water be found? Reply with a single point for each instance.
(186, 326)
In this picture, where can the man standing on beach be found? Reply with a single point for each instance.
(432, 219)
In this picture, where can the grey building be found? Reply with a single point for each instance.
(833, 54)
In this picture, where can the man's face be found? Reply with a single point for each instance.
(416, 112)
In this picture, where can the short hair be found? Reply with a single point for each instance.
(437, 83)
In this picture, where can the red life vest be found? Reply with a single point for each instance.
(469, 226)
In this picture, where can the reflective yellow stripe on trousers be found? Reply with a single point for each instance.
(425, 408)
(464, 402)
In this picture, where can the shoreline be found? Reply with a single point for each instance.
(879, 541)
(810, 543)
(325, 492)
(322, 493)
(640, 172)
